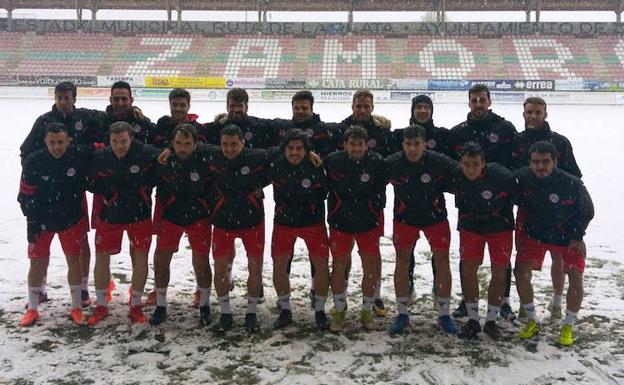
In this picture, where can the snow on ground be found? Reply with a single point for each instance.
(116, 352)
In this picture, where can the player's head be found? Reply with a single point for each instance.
(179, 104)
(422, 109)
(479, 101)
(356, 142)
(534, 113)
(57, 139)
(184, 140)
(231, 141)
(237, 105)
(302, 106)
(362, 106)
(543, 158)
(472, 160)
(65, 96)
(414, 142)
(295, 145)
(121, 99)
(121, 136)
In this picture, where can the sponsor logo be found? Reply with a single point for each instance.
(487, 195)
(248, 136)
(78, 125)
(431, 143)
(425, 178)
(554, 198)
(493, 137)
(372, 143)
(71, 172)
(365, 177)
(306, 183)
(245, 170)
(137, 128)
(134, 169)
(194, 176)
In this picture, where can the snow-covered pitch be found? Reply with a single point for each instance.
(117, 352)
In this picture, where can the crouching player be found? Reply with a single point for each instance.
(121, 174)
(559, 210)
(484, 194)
(183, 185)
(299, 190)
(52, 187)
(419, 176)
(356, 201)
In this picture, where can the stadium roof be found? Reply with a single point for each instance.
(320, 5)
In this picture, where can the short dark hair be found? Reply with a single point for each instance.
(415, 131)
(239, 95)
(121, 126)
(363, 94)
(232, 130)
(356, 132)
(65, 86)
(543, 147)
(472, 149)
(186, 130)
(55, 128)
(479, 88)
(303, 95)
(180, 93)
(120, 84)
(295, 134)
(535, 100)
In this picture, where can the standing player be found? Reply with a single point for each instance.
(120, 173)
(418, 176)
(484, 194)
(238, 173)
(52, 187)
(355, 213)
(179, 105)
(558, 209)
(299, 190)
(495, 136)
(183, 188)
(257, 133)
(82, 125)
(537, 129)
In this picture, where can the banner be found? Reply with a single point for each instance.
(183, 82)
(134, 81)
(277, 95)
(448, 85)
(245, 83)
(407, 84)
(347, 84)
(53, 80)
(333, 95)
(508, 97)
(406, 95)
(293, 84)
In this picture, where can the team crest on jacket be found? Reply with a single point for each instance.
(71, 172)
(306, 183)
(365, 177)
(425, 178)
(493, 137)
(310, 132)
(137, 128)
(487, 194)
(372, 143)
(78, 125)
(431, 143)
(248, 136)
(554, 198)
(245, 170)
(194, 176)
(134, 169)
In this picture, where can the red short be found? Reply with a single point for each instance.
(438, 235)
(98, 205)
(199, 234)
(223, 241)
(341, 243)
(521, 235)
(108, 236)
(157, 221)
(472, 246)
(535, 251)
(70, 241)
(315, 238)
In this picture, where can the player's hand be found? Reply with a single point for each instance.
(315, 159)
(138, 114)
(579, 245)
(163, 158)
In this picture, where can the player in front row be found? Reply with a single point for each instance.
(484, 194)
(299, 189)
(559, 210)
(52, 187)
(183, 185)
(121, 174)
(419, 176)
(355, 213)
